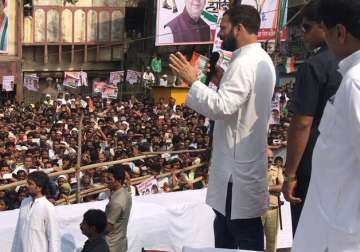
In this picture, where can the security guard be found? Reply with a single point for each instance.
(271, 218)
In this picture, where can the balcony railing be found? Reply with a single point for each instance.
(74, 25)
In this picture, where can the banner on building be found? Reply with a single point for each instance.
(175, 27)
(31, 82)
(270, 13)
(133, 77)
(149, 186)
(8, 83)
(116, 77)
(5, 25)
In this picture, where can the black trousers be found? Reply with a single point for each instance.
(246, 234)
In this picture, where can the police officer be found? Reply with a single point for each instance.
(271, 218)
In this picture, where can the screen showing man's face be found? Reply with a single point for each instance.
(195, 7)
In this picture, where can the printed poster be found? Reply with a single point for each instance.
(175, 26)
(98, 86)
(8, 83)
(149, 186)
(109, 92)
(133, 77)
(31, 82)
(4, 25)
(72, 79)
(275, 112)
(116, 77)
(83, 79)
(270, 14)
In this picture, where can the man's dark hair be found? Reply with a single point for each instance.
(345, 12)
(246, 15)
(118, 172)
(96, 218)
(41, 179)
(311, 11)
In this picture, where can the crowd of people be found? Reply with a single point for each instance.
(44, 136)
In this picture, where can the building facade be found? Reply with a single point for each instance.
(10, 52)
(60, 36)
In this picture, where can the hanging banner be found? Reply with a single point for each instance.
(116, 77)
(83, 79)
(270, 12)
(31, 82)
(8, 83)
(98, 86)
(133, 77)
(5, 23)
(72, 79)
(75, 79)
(175, 25)
(109, 92)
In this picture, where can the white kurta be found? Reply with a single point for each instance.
(37, 228)
(332, 206)
(241, 110)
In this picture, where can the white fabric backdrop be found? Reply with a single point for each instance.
(166, 221)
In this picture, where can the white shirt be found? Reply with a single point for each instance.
(241, 110)
(37, 228)
(149, 77)
(334, 187)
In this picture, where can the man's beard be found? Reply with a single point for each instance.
(229, 43)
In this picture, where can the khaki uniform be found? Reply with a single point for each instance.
(117, 213)
(271, 218)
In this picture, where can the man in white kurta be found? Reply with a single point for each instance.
(330, 220)
(37, 228)
(241, 109)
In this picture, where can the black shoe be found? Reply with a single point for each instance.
(175, 10)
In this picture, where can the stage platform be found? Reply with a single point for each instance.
(166, 221)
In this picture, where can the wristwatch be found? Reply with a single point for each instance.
(288, 178)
